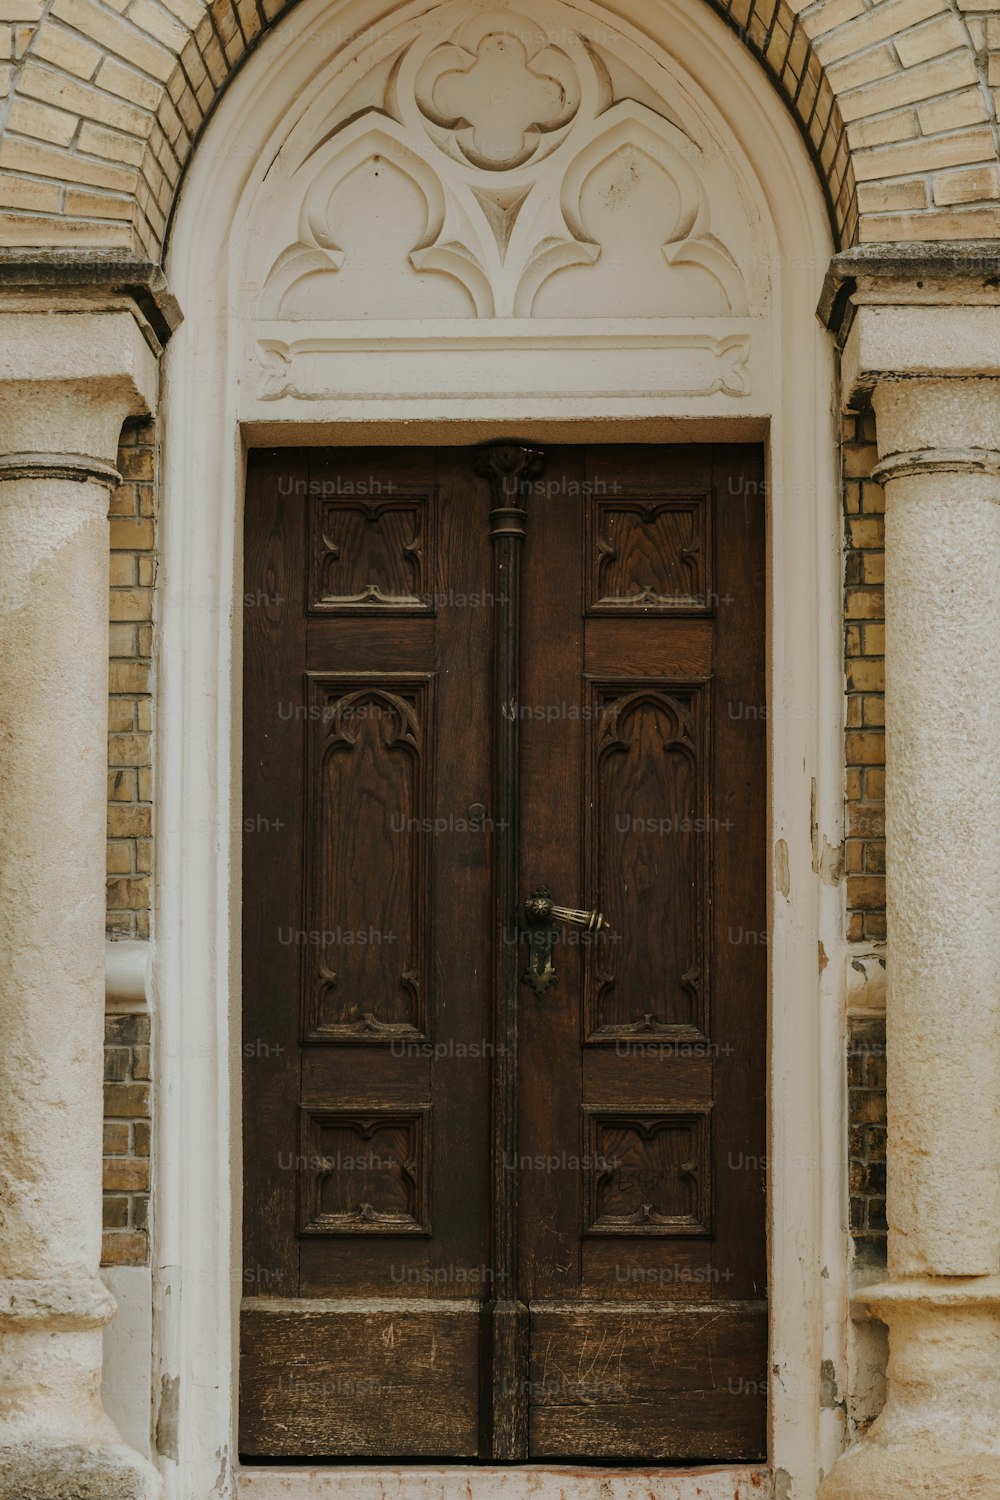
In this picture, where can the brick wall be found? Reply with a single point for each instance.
(864, 645)
(126, 1141)
(864, 861)
(130, 707)
(866, 1138)
(127, 1070)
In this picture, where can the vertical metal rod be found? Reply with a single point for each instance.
(509, 468)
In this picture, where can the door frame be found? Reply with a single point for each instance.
(196, 971)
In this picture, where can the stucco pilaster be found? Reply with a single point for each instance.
(937, 408)
(67, 383)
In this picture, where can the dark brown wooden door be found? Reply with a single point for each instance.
(504, 1190)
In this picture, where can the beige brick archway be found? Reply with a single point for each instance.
(106, 100)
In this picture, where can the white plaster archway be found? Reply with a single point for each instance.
(216, 404)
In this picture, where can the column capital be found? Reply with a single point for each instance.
(937, 426)
(913, 312)
(70, 375)
(89, 278)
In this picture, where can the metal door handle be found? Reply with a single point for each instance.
(540, 910)
(541, 915)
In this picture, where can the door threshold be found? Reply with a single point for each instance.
(475, 1482)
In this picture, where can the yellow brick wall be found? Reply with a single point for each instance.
(864, 854)
(130, 706)
(864, 668)
(127, 1140)
(127, 1070)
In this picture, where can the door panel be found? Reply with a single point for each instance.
(646, 1381)
(642, 1069)
(366, 707)
(480, 1220)
(321, 1379)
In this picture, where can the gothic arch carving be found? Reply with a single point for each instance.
(446, 243)
(629, 127)
(531, 157)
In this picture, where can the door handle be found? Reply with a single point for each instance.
(540, 911)
(541, 915)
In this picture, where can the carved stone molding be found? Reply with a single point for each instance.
(660, 363)
(954, 271)
(938, 461)
(78, 278)
(55, 1304)
(493, 156)
(79, 468)
(495, 98)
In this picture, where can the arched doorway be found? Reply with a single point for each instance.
(616, 237)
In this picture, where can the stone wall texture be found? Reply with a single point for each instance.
(103, 101)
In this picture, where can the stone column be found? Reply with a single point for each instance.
(938, 434)
(68, 380)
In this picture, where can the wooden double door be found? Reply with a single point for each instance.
(504, 954)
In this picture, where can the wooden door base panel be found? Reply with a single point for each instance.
(360, 1378)
(648, 1381)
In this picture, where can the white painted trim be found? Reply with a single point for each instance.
(127, 976)
(197, 1183)
(128, 1351)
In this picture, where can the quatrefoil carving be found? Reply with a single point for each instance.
(499, 99)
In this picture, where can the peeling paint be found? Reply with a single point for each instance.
(827, 858)
(831, 863)
(782, 1485)
(782, 879)
(167, 1417)
(866, 980)
(828, 1392)
(221, 1485)
(823, 960)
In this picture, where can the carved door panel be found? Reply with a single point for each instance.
(642, 1069)
(487, 1217)
(367, 886)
